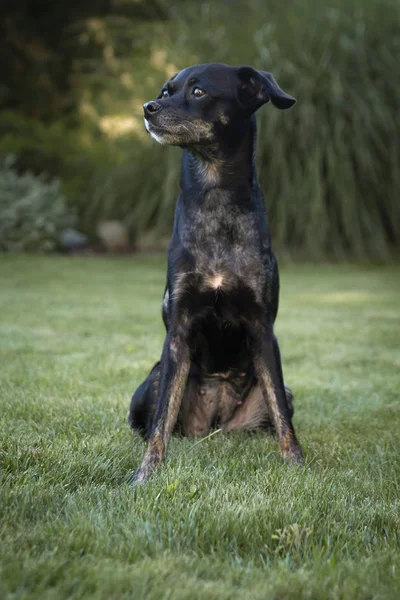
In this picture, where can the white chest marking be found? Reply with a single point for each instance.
(216, 281)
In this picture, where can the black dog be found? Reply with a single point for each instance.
(220, 364)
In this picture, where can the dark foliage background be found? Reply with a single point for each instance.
(75, 75)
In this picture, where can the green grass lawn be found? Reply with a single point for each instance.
(226, 518)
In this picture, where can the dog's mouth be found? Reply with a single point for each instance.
(162, 134)
(155, 131)
(182, 133)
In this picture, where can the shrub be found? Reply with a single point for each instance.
(32, 211)
(65, 149)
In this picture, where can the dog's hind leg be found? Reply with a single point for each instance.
(268, 368)
(141, 411)
(289, 398)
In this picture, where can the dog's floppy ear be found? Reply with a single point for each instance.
(258, 87)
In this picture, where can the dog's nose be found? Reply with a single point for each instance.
(151, 107)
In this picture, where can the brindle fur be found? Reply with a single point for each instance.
(220, 364)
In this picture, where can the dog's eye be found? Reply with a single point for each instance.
(164, 94)
(198, 92)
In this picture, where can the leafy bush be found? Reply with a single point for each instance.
(32, 211)
(62, 149)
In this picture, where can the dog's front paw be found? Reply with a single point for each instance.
(141, 476)
(291, 449)
(294, 454)
(144, 472)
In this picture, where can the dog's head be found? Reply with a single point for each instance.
(199, 104)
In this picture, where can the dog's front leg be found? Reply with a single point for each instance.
(175, 364)
(268, 368)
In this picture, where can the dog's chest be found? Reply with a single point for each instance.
(228, 272)
(225, 248)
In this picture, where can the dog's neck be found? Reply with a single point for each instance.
(225, 166)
